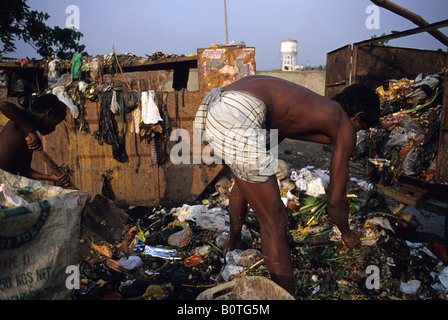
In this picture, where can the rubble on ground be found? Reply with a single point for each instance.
(177, 253)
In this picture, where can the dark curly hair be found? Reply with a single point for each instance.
(357, 98)
(49, 101)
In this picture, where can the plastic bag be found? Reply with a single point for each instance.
(181, 238)
(315, 188)
(63, 97)
(187, 212)
(410, 287)
(131, 263)
(114, 103)
(8, 199)
(213, 220)
(409, 162)
(313, 184)
(249, 257)
(82, 86)
(150, 112)
(76, 66)
(231, 271)
(52, 72)
(95, 69)
(64, 81)
(400, 135)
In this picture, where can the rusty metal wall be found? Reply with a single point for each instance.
(374, 65)
(338, 70)
(137, 182)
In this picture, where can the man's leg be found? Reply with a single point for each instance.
(264, 198)
(237, 210)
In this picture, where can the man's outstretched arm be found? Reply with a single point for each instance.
(337, 203)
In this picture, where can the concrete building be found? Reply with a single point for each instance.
(288, 49)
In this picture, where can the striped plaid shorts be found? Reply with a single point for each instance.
(233, 124)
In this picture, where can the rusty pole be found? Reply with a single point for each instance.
(225, 16)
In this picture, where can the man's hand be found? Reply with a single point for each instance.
(34, 142)
(351, 239)
(63, 180)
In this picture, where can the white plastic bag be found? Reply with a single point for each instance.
(53, 74)
(150, 112)
(187, 212)
(64, 81)
(8, 199)
(114, 103)
(131, 263)
(63, 97)
(216, 219)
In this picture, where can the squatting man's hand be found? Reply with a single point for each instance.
(351, 239)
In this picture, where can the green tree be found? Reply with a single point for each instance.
(17, 22)
(380, 43)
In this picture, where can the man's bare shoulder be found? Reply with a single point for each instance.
(12, 138)
(12, 130)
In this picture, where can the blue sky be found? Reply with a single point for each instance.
(179, 26)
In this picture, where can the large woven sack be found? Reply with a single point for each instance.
(39, 240)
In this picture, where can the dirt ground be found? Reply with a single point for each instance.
(299, 154)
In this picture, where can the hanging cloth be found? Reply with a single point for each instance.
(150, 112)
(108, 128)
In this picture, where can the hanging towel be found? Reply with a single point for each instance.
(150, 112)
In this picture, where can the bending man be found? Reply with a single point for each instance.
(237, 121)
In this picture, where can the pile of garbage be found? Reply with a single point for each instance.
(407, 138)
(178, 253)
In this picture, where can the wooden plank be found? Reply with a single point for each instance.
(412, 201)
(406, 33)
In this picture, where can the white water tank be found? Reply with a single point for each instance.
(288, 49)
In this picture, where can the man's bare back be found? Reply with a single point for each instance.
(295, 111)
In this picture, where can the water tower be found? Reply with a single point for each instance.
(288, 50)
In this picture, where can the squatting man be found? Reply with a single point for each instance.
(228, 113)
(19, 138)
